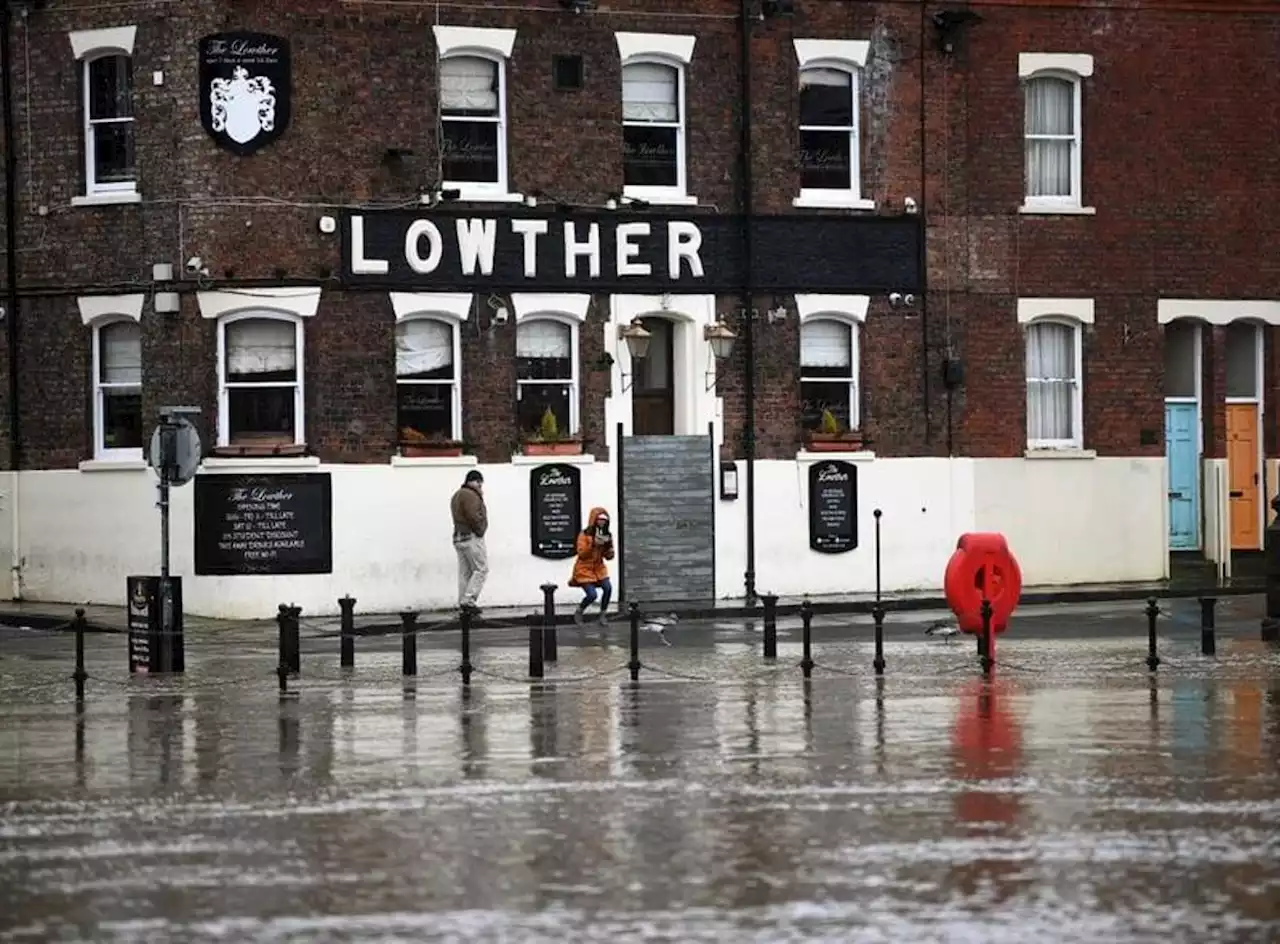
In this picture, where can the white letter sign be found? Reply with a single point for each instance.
(475, 244)
(529, 231)
(412, 238)
(684, 239)
(627, 250)
(590, 248)
(360, 265)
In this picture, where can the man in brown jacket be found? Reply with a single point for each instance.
(470, 522)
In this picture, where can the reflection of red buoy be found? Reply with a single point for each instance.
(987, 745)
(982, 568)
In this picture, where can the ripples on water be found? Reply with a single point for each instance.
(1070, 800)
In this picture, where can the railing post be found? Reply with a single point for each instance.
(550, 651)
(770, 601)
(80, 676)
(409, 642)
(347, 640)
(295, 640)
(877, 614)
(988, 639)
(1271, 543)
(633, 609)
(465, 667)
(1208, 637)
(536, 661)
(806, 638)
(1153, 610)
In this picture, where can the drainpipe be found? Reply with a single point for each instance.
(11, 282)
(749, 386)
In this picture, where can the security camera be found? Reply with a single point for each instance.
(195, 264)
(910, 205)
(895, 299)
(909, 301)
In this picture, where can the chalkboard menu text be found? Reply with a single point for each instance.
(833, 507)
(555, 510)
(264, 524)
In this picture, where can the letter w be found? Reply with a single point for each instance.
(475, 245)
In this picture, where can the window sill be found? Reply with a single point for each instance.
(576, 459)
(1049, 209)
(852, 455)
(114, 465)
(660, 196)
(473, 194)
(107, 199)
(833, 200)
(1066, 452)
(410, 462)
(220, 463)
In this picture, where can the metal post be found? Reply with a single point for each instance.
(1153, 610)
(747, 200)
(167, 449)
(770, 601)
(347, 641)
(633, 609)
(620, 519)
(1271, 539)
(806, 638)
(409, 642)
(549, 647)
(989, 639)
(877, 614)
(536, 661)
(466, 668)
(282, 625)
(876, 514)
(1208, 639)
(295, 640)
(282, 673)
(80, 675)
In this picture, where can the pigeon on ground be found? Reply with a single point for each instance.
(659, 624)
(943, 628)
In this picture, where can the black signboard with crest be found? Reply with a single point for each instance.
(555, 510)
(246, 89)
(833, 507)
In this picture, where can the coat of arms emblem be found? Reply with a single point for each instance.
(244, 89)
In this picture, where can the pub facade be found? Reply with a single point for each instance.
(604, 257)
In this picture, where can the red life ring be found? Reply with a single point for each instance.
(982, 567)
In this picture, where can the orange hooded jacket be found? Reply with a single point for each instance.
(590, 565)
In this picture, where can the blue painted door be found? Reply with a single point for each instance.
(1182, 449)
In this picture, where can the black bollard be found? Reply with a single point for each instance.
(770, 601)
(633, 609)
(1153, 610)
(876, 514)
(988, 639)
(550, 652)
(409, 642)
(282, 625)
(80, 676)
(295, 640)
(347, 641)
(466, 668)
(806, 638)
(1208, 639)
(536, 661)
(877, 614)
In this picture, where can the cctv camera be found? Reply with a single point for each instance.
(909, 204)
(895, 299)
(909, 300)
(195, 264)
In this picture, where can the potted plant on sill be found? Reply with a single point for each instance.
(547, 440)
(416, 445)
(830, 437)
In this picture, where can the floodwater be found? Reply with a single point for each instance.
(1075, 797)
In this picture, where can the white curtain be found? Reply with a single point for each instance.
(468, 83)
(650, 92)
(261, 346)
(422, 345)
(826, 344)
(544, 339)
(1050, 130)
(120, 353)
(1051, 381)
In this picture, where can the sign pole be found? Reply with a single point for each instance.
(175, 455)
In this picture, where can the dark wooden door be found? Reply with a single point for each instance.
(653, 401)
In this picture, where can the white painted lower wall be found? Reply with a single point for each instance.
(1068, 521)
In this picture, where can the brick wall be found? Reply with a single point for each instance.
(1178, 160)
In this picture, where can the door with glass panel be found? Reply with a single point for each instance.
(653, 395)
(1182, 432)
(1244, 454)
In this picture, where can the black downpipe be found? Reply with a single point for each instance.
(748, 339)
(11, 240)
(923, 287)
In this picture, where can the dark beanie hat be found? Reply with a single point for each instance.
(474, 476)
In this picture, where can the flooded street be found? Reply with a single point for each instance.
(1073, 798)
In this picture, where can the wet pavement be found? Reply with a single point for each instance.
(1075, 797)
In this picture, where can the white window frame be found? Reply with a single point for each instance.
(1073, 69)
(88, 46)
(1073, 313)
(844, 55)
(675, 52)
(98, 312)
(224, 387)
(450, 309)
(573, 381)
(493, 45)
(855, 378)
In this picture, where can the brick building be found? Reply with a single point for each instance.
(1010, 256)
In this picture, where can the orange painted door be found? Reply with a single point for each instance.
(1245, 490)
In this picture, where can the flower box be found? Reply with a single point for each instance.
(561, 447)
(411, 449)
(833, 442)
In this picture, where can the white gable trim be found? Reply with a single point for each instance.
(456, 305)
(1217, 311)
(1077, 309)
(852, 52)
(850, 307)
(118, 39)
(1029, 63)
(95, 308)
(664, 45)
(528, 304)
(455, 39)
(302, 302)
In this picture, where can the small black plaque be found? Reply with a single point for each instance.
(264, 524)
(555, 510)
(145, 622)
(833, 507)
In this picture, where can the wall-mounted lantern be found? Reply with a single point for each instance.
(721, 339)
(637, 337)
(728, 480)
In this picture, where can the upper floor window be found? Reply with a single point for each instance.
(473, 110)
(829, 145)
(260, 381)
(547, 374)
(1052, 129)
(106, 80)
(829, 374)
(654, 122)
(428, 405)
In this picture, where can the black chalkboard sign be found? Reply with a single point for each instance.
(555, 510)
(264, 524)
(833, 507)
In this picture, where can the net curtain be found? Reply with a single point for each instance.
(650, 92)
(261, 346)
(120, 354)
(544, 339)
(1051, 379)
(423, 345)
(826, 344)
(1050, 123)
(469, 84)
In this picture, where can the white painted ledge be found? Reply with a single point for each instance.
(237, 464)
(107, 199)
(1049, 209)
(855, 455)
(659, 196)
(522, 459)
(433, 462)
(114, 465)
(471, 194)
(834, 200)
(1060, 454)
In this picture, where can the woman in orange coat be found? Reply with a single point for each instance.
(595, 546)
